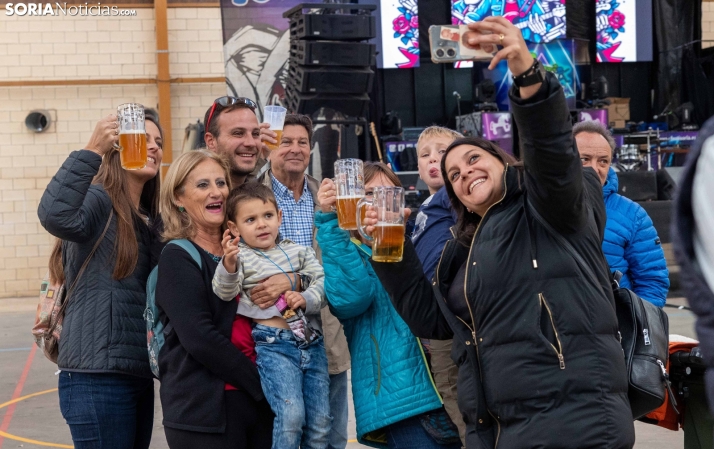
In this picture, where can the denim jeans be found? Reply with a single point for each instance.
(107, 411)
(410, 434)
(296, 384)
(338, 410)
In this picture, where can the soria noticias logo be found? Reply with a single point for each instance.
(63, 9)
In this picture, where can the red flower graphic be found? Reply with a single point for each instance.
(414, 23)
(617, 20)
(401, 25)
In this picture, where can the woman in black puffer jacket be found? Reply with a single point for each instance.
(536, 341)
(106, 387)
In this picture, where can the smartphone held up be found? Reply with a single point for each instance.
(447, 45)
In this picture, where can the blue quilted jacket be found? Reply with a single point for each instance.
(632, 246)
(390, 377)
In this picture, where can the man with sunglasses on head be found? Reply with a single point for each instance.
(232, 130)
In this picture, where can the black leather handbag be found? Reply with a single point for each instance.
(644, 335)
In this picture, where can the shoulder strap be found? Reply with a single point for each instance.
(362, 247)
(81, 271)
(189, 248)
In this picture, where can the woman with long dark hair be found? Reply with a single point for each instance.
(105, 385)
(535, 340)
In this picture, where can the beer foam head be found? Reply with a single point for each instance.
(350, 197)
(131, 131)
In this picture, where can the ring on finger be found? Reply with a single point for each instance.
(500, 38)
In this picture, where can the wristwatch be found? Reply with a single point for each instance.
(534, 75)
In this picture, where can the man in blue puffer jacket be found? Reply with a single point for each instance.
(631, 244)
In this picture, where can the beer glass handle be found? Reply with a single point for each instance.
(360, 227)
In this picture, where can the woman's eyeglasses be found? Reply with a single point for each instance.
(229, 101)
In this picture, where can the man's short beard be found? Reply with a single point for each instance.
(238, 171)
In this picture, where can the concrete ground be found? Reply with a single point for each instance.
(29, 410)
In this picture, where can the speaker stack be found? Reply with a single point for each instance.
(329, 64)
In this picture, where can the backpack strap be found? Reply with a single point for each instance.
(189, 248)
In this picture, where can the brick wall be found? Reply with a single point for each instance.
(69, 48)
(708, 23)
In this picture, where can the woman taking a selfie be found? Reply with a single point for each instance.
(106, 388)
(536, 341)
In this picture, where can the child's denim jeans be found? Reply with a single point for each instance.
(296, 384)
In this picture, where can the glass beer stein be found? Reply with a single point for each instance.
(349, 183)
(132, 136)
(388, 236)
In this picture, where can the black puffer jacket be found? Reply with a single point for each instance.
(103, 329)
(540, 365)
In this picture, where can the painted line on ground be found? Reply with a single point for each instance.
(10, 436)
(18, 390)
(15, 349)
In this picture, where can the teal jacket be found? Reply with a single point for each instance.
(390, 377)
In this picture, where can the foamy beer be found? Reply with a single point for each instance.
(349, 182)
(275, 117)
(132, 136)
(388, 236)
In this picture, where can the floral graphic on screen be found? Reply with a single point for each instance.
(610, 27)
(406, 29)
(538, 20)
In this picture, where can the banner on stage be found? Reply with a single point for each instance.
(398, 39)
(624, 30)
(256, 47)
(539, 20)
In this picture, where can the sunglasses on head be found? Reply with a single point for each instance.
(229, 101)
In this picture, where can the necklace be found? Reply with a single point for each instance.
(213, 256)
(292, 285)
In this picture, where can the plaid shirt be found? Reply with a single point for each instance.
(297, 216)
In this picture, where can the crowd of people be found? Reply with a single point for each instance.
(486, 333)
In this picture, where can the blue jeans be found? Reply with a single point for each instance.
(338, 410)
(410, 434)
(107, 411)
(296, 384)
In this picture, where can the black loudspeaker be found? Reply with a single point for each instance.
(332, 21)
(333, 75)
(333, 26)
(329, 79)
(661, 214)
(353, 105)
(332, 53)
(638, 185)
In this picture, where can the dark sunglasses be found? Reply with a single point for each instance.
(230, 101)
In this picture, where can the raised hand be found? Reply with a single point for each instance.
(230, 251)
(497, 30)
(105, 135)
(327, 195)
(295, 300)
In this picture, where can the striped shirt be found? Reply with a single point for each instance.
(297, 215)
(255, 266)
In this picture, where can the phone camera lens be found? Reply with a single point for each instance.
(439, 53)
(450, 52)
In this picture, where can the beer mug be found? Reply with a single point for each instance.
(349, 183)
(132, 136)
(388, 236)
